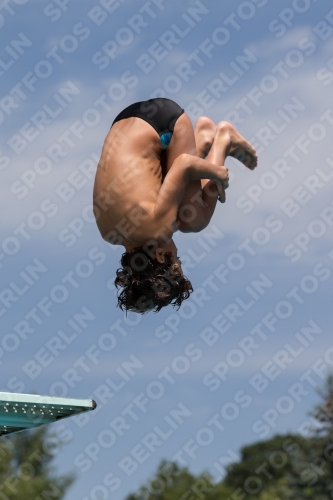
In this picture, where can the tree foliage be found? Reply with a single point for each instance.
(264, 466)
(173, 482)
(312, 476)
(285, 467)
(26, 470)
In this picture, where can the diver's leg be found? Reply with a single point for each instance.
(200, 197)
(184, 141)
(228, 142)
(204, 132)
(238, 147)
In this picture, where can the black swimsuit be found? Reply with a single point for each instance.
(160, 113)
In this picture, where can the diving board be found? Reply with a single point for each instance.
(19, 412)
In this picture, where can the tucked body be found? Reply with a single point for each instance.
(152, 180)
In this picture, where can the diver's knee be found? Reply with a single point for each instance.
(204, 123)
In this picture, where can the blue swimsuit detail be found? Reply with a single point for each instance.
(165, 139)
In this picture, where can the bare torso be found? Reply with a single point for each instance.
(128, 179)
(140, 191)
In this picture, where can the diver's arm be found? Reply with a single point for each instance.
(185, 169)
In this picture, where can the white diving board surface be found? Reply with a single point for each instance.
(19, 412)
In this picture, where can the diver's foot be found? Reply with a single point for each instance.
(239, 147)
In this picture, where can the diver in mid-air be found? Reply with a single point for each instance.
(158, 175)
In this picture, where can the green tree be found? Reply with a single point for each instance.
(26, 470)
(275, 491)
(172, 482)
(285, 467)
(264, 466)
(312, 476)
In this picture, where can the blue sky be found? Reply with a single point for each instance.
(262, 270)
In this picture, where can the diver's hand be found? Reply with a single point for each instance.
(222, 183)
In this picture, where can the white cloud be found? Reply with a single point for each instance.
(269, 46)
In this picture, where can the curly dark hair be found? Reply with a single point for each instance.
(148, 285)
